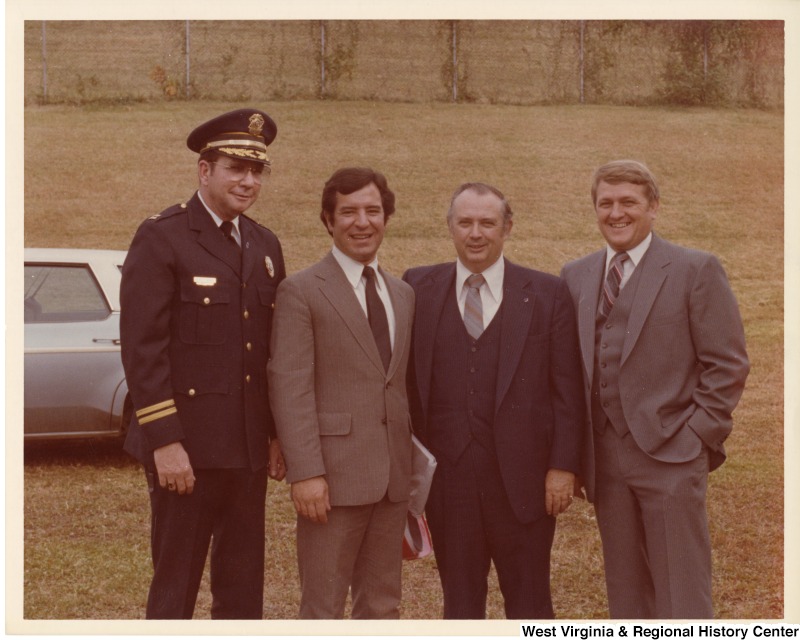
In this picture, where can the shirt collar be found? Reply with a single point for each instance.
(493, 276)
(635, 254)
(353, 270)
(215, 217)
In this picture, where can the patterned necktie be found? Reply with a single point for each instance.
(376, 313)
(473, 307)
(227, 230)
(611, 286)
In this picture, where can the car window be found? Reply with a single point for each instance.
(61, 293)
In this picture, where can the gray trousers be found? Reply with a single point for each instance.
(654, 528)
(359, 548)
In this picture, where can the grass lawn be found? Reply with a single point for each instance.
(92, 174)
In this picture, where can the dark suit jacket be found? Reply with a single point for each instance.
(538, 414)
(195, 328)
(683, 363)
(338, 412)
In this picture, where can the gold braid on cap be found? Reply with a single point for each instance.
(257, 150)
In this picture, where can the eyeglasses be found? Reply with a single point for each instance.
(238, 172)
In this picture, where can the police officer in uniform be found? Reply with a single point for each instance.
(198, 290)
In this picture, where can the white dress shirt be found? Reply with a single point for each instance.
(491, 291)
(235, 234)
(354, 272)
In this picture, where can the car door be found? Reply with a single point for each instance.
(72, 354)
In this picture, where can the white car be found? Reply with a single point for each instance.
(74, 383)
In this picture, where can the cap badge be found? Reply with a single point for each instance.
(256, 124)
(270, 267)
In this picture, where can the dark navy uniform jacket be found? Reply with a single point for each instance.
(195, 328)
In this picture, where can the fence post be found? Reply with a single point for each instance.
(188, 63)
(322, 58)
(705, 59)
(454, 30)
(583, 35)
(44, 61)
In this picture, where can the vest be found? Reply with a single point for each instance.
(609, 339)
(463, 384)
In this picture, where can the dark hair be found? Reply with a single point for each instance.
(481, 188)
(352, 179)
(626, 171)
(211, 157)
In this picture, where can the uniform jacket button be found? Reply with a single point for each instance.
(192, 393)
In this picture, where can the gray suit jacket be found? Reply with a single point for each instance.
(684, 362)
(338, 414)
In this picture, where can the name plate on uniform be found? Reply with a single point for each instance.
(205, 281)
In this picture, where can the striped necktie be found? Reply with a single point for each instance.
(613, 279)
(473, 307)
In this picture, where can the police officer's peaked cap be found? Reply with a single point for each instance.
(243, 134)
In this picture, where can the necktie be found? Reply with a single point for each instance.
(473, 307)
(227, 230)
(611, 286)
(376, 313)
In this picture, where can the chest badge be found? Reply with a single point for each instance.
(270, 267)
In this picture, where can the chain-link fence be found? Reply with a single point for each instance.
(708, 62)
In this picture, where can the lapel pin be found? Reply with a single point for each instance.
(270, 267)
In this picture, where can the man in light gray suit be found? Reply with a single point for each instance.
(337, 377)
(665, 365)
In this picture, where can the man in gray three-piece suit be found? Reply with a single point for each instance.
(665, 365)
(341, 340)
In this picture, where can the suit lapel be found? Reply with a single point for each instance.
(210, 237)
(335, 286)
(518, 303)
(400, 304)
(654, 266)
(588, 299)
(430, 297)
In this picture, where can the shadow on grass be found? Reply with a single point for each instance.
(101, 453)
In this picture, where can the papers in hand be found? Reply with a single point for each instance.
(423, 464)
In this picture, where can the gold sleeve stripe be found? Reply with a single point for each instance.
(155, 407)
(157, 416)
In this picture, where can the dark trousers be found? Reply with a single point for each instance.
(472, 524)
(226, 511)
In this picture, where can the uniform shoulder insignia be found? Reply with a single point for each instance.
(169, 212)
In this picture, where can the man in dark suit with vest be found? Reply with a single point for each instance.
(495, 393)
(197, 294)
(665, 364)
